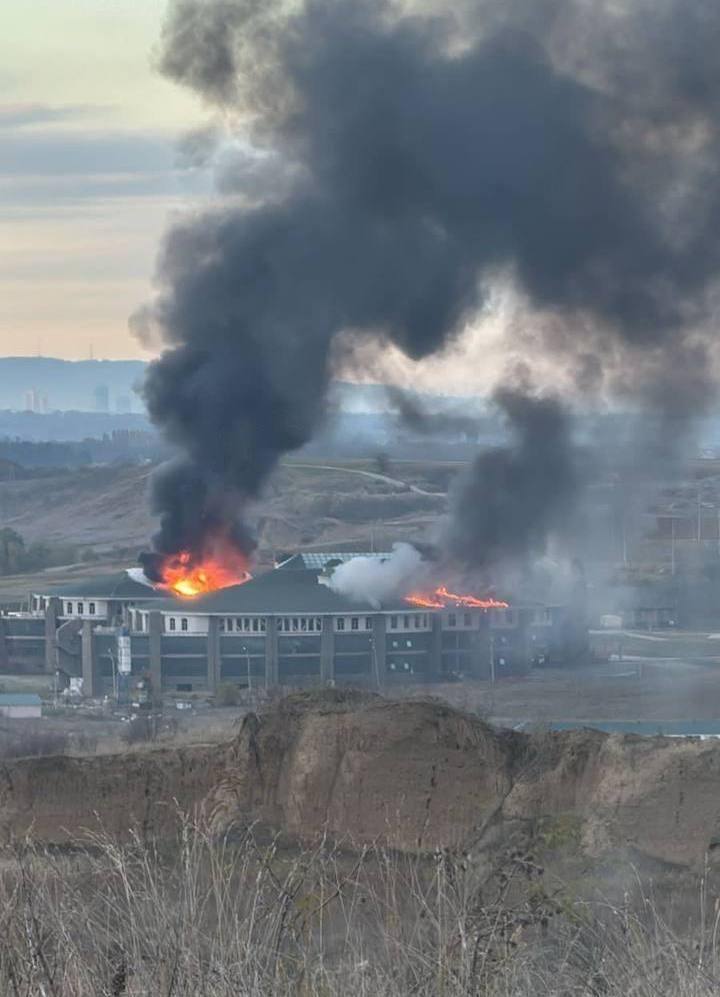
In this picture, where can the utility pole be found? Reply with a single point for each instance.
(246, 652)
(115, 686)
(492, 659)
(672, 544)
(376, 670)
(624, 539)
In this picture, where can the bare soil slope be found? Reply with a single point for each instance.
(59, 798)
(422, 775)
(414, 775)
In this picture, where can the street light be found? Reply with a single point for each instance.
(246, 652)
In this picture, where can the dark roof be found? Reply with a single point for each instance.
(277, 591)
(117, 586)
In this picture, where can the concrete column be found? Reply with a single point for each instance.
(436, 665)
(89, 662)
(155, 625)
(482, 653)
(271, 653)
(327, 652)
(378, 651)
(213, 653)
(4, 656)
(51, 615)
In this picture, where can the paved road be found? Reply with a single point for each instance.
(396, 482)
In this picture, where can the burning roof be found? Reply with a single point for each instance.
(298, 591)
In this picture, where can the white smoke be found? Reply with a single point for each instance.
(138, 575)
(374, 579)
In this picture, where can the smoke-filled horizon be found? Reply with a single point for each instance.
(411, 157)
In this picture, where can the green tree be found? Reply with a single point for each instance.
(12, 551)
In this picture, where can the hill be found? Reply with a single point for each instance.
(412, 775)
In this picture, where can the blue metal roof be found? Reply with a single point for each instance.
(311, 560)
(20, 699)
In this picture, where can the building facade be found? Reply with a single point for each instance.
(287, 627)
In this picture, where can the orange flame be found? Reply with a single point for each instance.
(441, 598)
(188, 577)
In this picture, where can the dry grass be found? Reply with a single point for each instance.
(224, 918)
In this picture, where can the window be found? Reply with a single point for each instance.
(172, 622)
(255, 624)
(406, 622)
(340, 623)
(393, 622)
(417, 619)
(68, 607)
(91, 608)
(368, 622)
(452, 620)
(354, 623)
(81, 609)
(262, 625)
(467, 620)
(183, 623)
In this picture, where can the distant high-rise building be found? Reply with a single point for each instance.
(34, 401)
(102, 398)
(123, 404)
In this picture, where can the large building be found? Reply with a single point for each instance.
(286, 627)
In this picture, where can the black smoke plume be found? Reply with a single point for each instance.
(573, 146)
(512, 497)
(415, 416)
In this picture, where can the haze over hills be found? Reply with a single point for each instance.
(70, 384)
(73, 385)
(51, 399)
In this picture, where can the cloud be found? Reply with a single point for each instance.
(51, 153)
(47, 166)
(24, 115)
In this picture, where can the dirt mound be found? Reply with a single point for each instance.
(422, 775)
(59, 797)
(410, 774)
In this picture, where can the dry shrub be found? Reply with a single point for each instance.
(228, 694)
(140, 729)
(245, 918)
(18, 739)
